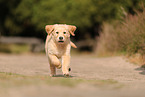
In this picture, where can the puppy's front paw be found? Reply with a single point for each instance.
(52, 75)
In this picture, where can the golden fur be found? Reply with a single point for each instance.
(58, 46)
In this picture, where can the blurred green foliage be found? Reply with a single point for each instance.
(29, 17)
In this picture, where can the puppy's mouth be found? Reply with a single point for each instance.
(60, 41)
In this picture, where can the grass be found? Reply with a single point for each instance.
(15, 80)
(14, 48)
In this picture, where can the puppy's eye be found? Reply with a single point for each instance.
(64, 32)
(57, 32)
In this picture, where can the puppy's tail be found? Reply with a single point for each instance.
(73, 45)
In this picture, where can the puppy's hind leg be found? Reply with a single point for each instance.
(52, 70)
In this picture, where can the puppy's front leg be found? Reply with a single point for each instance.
(65, 64)
(54, 62)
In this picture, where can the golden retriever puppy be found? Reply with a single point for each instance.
(58, 46)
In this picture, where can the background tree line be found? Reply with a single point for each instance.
(29, 17)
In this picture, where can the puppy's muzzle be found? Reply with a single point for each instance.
(60, 39)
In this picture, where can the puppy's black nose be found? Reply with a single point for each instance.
(60, 38)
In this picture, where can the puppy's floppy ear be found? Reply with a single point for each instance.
(49, 29)
(72, 29)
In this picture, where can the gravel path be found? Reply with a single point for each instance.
(130, 77)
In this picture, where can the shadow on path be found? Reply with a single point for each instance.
(63, 76)
(142, 69)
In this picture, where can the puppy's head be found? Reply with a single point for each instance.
(60, 32)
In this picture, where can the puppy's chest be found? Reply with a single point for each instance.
(58, 51)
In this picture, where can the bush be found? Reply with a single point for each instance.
(128, 36)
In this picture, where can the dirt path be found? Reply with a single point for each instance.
(130, 77)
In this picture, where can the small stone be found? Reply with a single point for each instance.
(69, 69)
